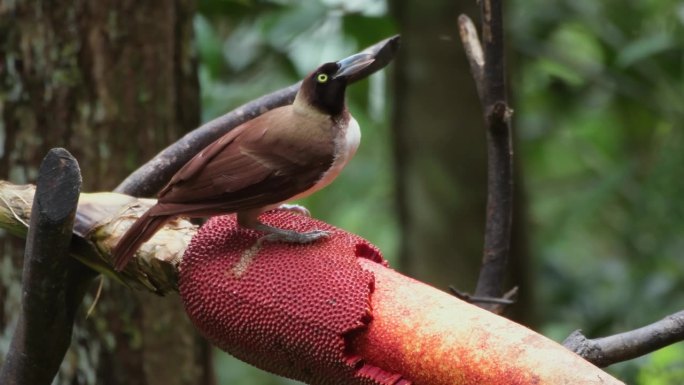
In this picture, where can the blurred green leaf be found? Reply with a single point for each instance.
(663, 367)
(598, 91)
(236, 9)
(644, 48)
(367, 30)
(208, 46)
(243, 47)
(282, 27)
(577, 46)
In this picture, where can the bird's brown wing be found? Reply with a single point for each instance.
(191, 170)
(247, 168)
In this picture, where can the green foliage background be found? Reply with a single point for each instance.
(598, 93)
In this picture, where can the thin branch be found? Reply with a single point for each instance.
(625, 346)
(487, 67)
(153, 175)
(53, 284)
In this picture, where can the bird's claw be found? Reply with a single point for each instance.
(297, 209)
(295, 237)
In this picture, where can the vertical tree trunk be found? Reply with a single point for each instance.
(440, 149)
(113, 82)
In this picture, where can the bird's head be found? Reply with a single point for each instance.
(324, 88)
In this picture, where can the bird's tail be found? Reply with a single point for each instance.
(141, 230)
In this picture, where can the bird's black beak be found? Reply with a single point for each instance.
(353, 64)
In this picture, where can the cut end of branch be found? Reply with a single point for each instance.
(471, 42)
(60, 177)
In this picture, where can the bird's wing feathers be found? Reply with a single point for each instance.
(248, 168)
(195, 165)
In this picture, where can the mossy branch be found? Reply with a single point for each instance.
(101, 219)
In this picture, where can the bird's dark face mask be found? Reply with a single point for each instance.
(326, 86)
(326, 91)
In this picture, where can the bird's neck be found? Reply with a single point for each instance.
(328, 101)
(303, 106)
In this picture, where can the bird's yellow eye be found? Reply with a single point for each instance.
(322, 78)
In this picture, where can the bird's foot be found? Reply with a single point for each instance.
(295, 237)
(288, 236)
(274, 235)
(298, 209)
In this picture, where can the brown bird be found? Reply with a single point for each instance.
(281, 155)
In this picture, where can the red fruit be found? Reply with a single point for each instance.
(332, 312)
(288, 309)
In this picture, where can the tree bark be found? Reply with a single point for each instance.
(113, 82)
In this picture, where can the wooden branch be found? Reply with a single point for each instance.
(487, 67)
(153, 175)
(53, 284)
(625, 346)
(101, 220)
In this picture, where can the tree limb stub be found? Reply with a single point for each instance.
(153, 175)
(53, 284)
